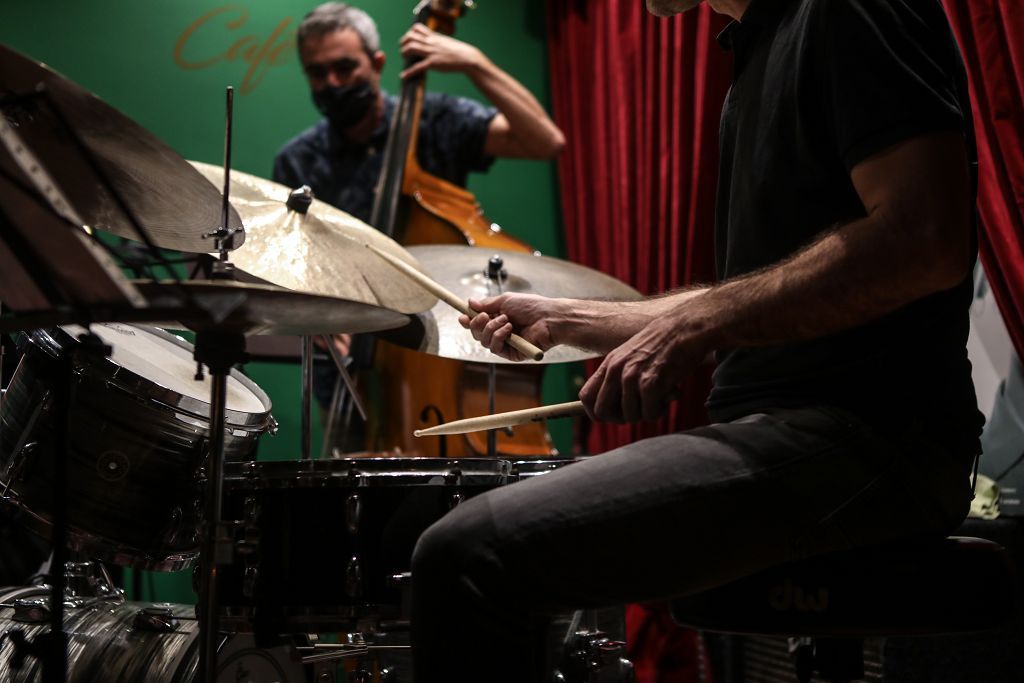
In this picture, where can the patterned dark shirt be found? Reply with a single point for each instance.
(451, 144)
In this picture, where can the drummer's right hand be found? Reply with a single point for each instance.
(528, 315)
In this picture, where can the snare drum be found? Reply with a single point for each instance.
(325, 543)
(133, 641)
(139, 434)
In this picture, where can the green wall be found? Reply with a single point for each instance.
(166, 63)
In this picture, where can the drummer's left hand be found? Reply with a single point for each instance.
(437, 51)
(636, 380)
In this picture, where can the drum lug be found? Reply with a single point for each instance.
(252, 574)
(272, 425)
(354, 579)
(157, 619)
(87, 582)
(353, 513)
(455, 500)
(251, 509)
(453, 477)
(31, 610)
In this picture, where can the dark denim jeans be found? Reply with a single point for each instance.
(660, 518)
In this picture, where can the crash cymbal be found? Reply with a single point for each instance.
(321, 251)
(169, 199)
(261, 309)
(461, 269)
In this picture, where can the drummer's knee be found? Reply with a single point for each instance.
(456, 548)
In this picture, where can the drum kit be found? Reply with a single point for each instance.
(117, 445)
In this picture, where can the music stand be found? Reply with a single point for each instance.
(49, 266)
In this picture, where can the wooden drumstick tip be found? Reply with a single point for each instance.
(503, 420)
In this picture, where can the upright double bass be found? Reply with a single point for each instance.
(411, 390)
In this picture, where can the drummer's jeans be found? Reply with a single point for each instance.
(664, 517)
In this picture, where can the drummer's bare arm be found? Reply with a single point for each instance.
(913, 242)
(522, 128)
(598, 326)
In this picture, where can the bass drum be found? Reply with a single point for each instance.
(134, 642)
(140, 429)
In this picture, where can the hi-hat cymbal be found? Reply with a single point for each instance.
(223, 306)
(262, 309)
(168, 198)
(462, 270)
(321, 251)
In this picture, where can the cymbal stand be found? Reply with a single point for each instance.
(497, 274)
(299, 201)
(345, 388)
(219, 351)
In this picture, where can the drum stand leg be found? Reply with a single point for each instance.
(219, 351)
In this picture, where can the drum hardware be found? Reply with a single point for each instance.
(589, 656)
(353, 513)
(89, 581)
(319, 578)
(14, 470)
(354, 579)
(496, 274)
(355, 648)
(157, 618)
(346, 394)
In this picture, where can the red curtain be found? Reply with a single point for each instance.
(639, 101)
(991, 35)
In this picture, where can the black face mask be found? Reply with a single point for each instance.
(346, 106)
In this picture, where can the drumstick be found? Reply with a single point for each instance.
(515, 341)
(501, 420)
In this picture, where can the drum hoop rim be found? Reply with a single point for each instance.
(50, 342)
(337, 468)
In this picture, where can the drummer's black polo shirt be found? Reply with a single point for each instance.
(819, 86)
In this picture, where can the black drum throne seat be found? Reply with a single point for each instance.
(829, 605)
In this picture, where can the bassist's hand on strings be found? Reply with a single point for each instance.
(437, 51)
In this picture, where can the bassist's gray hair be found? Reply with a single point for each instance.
(334, 16)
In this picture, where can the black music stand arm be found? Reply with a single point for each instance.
(52, 646)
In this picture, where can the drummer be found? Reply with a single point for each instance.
(843, 407)
(340, 157)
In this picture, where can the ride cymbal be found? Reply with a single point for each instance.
(320, 251)
(463, 270)
(108, 167)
